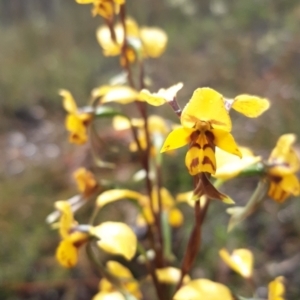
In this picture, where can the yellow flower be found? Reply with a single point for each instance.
(276, 289)
(283, 164)
(86, 182)
(241, 261)
(104, 8)
(76, 121)
(230, 166)
(175, 216)
(157, 126)
(128, 283)
(203, 289)
(67, 250)
(146, 41)
(205, 124)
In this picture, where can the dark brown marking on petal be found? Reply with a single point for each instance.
(194, 135)
(194, 163)
(207, 160)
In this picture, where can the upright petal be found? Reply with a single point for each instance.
(206, 105)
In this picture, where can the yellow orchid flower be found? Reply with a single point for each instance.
(284, 163)
(148, 41)
(205, 124)
(104, 8)
(128, 283)
(76, 121)
(276, 289)
(230, 166)
(241, 261)
(86, 182)
(67, 250)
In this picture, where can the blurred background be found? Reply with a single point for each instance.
(232, 46)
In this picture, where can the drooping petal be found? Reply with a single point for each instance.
(226, 142)
(67, 254)
(154, 41)
(206, 105)
(241, 261)
(205, 188)
(276, 289)
(117, 194)
(177, 138)
(203, 289)
(116, 238)
(250, 106)
(170, 275)
(69, 103)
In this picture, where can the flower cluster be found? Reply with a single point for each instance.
(212, 157)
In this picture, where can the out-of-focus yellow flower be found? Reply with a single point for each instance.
(128, 283)
(284, 163)
(157, 126)
(67, 250)
(170, 275)
(241, 261)
(230, 166)
(86, 182)
(276, 289)
(203, 289)
(175, 216)
(76, 121)
(104, 8)
(115, 238)
(205, 124)
(148, 41)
